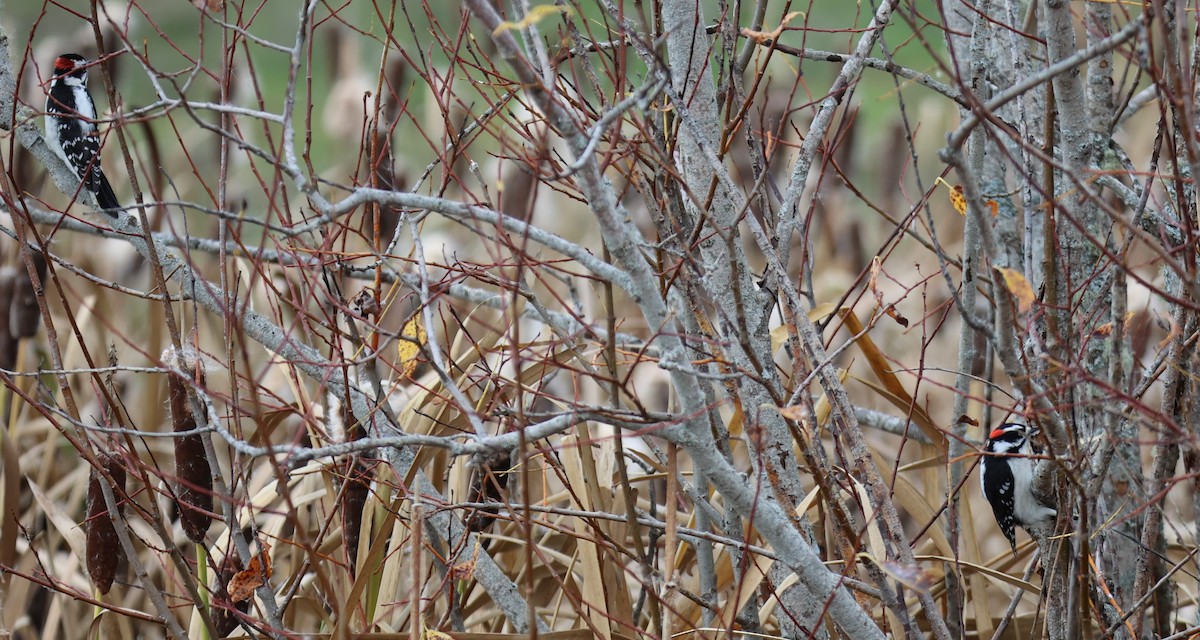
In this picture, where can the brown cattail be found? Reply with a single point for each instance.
(104, 551)
(354, 499)
(392, 101)
(24, 314)
(193, 493)
(488, 484)
(8, 343)
(358, 487)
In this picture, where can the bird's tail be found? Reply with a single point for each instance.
(106, 198)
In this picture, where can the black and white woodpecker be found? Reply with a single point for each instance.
(1007, 480)
(71, 128)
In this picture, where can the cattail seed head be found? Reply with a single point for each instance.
(488, 484)
(353, 500)
(25, 316)
(8, 342)
(104, 551)
(193, 493)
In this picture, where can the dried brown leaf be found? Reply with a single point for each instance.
(224, 610)
(241, 587)
(466, 569)
(764, 37)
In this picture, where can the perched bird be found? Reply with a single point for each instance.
(71, 127)
(1007, 478)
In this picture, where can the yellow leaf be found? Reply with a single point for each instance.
(957, 199)
(535, 15)
(1019, 287)
(412, 338)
